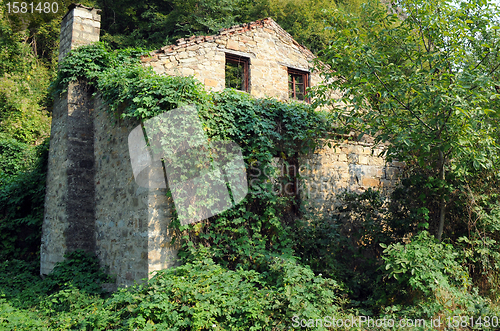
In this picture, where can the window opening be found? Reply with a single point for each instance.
(237, 72)
(298, 81)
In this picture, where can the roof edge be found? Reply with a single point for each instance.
(267, 22)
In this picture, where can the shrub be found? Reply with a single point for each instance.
(15, 156)
(21, 208)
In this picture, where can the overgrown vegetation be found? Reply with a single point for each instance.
(266, 263)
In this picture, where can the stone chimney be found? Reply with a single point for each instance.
(80, 26)
(69, 217)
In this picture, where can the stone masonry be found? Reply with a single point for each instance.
(92, 200)
(349, 166)
(271, 51)
(80, 26)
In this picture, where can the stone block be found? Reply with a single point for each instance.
(210, 82)
(188, 60)
(397, 164)
(392, 173)
(170, 65)
(366, 151)
(82, 12)
(340, 166)
(378, 161)
(187, 72)
(192, 48)
(159, 69)
(370, 182)
(363, 159)
(387, 183)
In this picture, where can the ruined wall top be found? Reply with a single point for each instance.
(80, 26)
(266, 56)
(268, 23)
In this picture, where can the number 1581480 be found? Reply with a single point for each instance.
(32, 7)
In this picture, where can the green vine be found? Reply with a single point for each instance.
(257, 228)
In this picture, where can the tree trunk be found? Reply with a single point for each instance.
(442, 202)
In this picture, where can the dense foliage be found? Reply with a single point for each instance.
(22, 192)
(436, 72)
(423, 79)
(267, 263)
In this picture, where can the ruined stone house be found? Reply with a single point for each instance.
(92, 201)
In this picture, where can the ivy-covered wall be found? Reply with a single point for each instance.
(104, 212)
(93, 201)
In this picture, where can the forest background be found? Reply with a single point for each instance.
(430, 252)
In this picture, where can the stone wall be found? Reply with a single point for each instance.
(132, 235)
(270, 49)
(69, 217)
(53, 244)
(92, 200)
(349, 166)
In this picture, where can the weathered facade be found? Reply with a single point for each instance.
(270, 51)
(93, 202)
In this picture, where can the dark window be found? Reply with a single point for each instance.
(237, 72)
(298, 81)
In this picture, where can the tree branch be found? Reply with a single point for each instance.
(402, 104)
(477, 65)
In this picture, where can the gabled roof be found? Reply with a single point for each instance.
(266, 23)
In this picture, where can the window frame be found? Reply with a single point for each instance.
(237, 59)
(292, 73)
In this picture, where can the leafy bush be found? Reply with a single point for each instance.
(203, 295)
(436, 283)
(195, 295)
(21, 208)
(425, 265)
(14, 156)
(346, 246)
(79, 269)
(27, 301)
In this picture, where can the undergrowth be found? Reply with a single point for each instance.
(264, 264)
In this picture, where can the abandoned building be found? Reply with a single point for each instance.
(92, 201)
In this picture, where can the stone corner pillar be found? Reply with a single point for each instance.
(80, 26)
(69, 216)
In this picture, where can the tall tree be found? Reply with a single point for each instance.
(422, 76)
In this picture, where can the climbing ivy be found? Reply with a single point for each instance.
(267, 130)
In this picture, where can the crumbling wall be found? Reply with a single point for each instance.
(92, 200)
(350, 166)
(132, 235)
(80, 26)
(271, 51)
